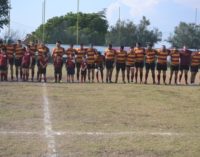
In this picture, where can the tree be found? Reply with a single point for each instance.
(92, 28)
(127, 33)
(4, 11)
(187, 34)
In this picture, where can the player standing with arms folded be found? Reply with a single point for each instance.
(42, 51)
(57, 56)
(80, 53)
(26, 63)
(185, 61)
(91, 52)
(130, 64)
(70, 67)
(194, 66)
(175, 57)
(10, 49)
(150, 55)
(121, 56)
(139, 61)
(33, 50)
(19, 53)
(162, 55)
(99, 66)
(109, 60)
(3, 64)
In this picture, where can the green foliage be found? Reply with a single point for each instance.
(186, 34)
(4, 11)
(92, 28)
(127, 33)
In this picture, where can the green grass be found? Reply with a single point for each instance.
(125, 108)
(123, 146)
(20, 107)
(22, 146)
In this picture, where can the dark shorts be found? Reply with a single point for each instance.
(70, 71)
(83, 73)
(184, 67)
(78, 65)
(38, 63)
(174, 67)
(11, 61)
(3, 68)
(33, 62)
(57, 70)
(25, 66)
(150, 66)
(42, 70)
(91, 66)
(99, 67)
(109, 64)
(120, 66)
(18, 62)
(130, 66)
(194, 69)
(161, 67)
(139, 64)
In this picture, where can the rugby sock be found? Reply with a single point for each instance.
(186, 79)
(60, 77)
(164, 79)
(158, 76)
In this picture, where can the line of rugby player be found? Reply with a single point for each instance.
(85, 60)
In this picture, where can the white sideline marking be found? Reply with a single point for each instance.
(21, 133)
(48, 126)
(79, 133)
(120, 133)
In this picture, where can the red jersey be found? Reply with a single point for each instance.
(83, 66)
(3, 59)
(57, 62)
(185, 57)
(26, 59)
(43, 61)
(70, 63)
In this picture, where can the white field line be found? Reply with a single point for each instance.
(21, 133)
(49, 134)
(121, 133)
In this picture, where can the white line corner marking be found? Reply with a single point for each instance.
(47, 125)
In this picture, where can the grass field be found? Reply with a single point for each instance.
(98, 120)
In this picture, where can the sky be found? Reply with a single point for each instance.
(26, 15)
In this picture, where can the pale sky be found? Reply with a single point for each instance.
(26, 15)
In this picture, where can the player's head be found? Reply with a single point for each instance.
(175, 48)
(9, 41)
(91, 45)
(81, 45)
(149, 46)
(71, 45)
(138, 45)
(42, 44)
(28, 47)
(110, 46)
(58, 43)
(163, 47)
(3, 50)
(31, 43)
(121, 48)
(1, 41)
(19, 42)
(184, 47)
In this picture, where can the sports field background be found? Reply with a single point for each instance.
(98, 120)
